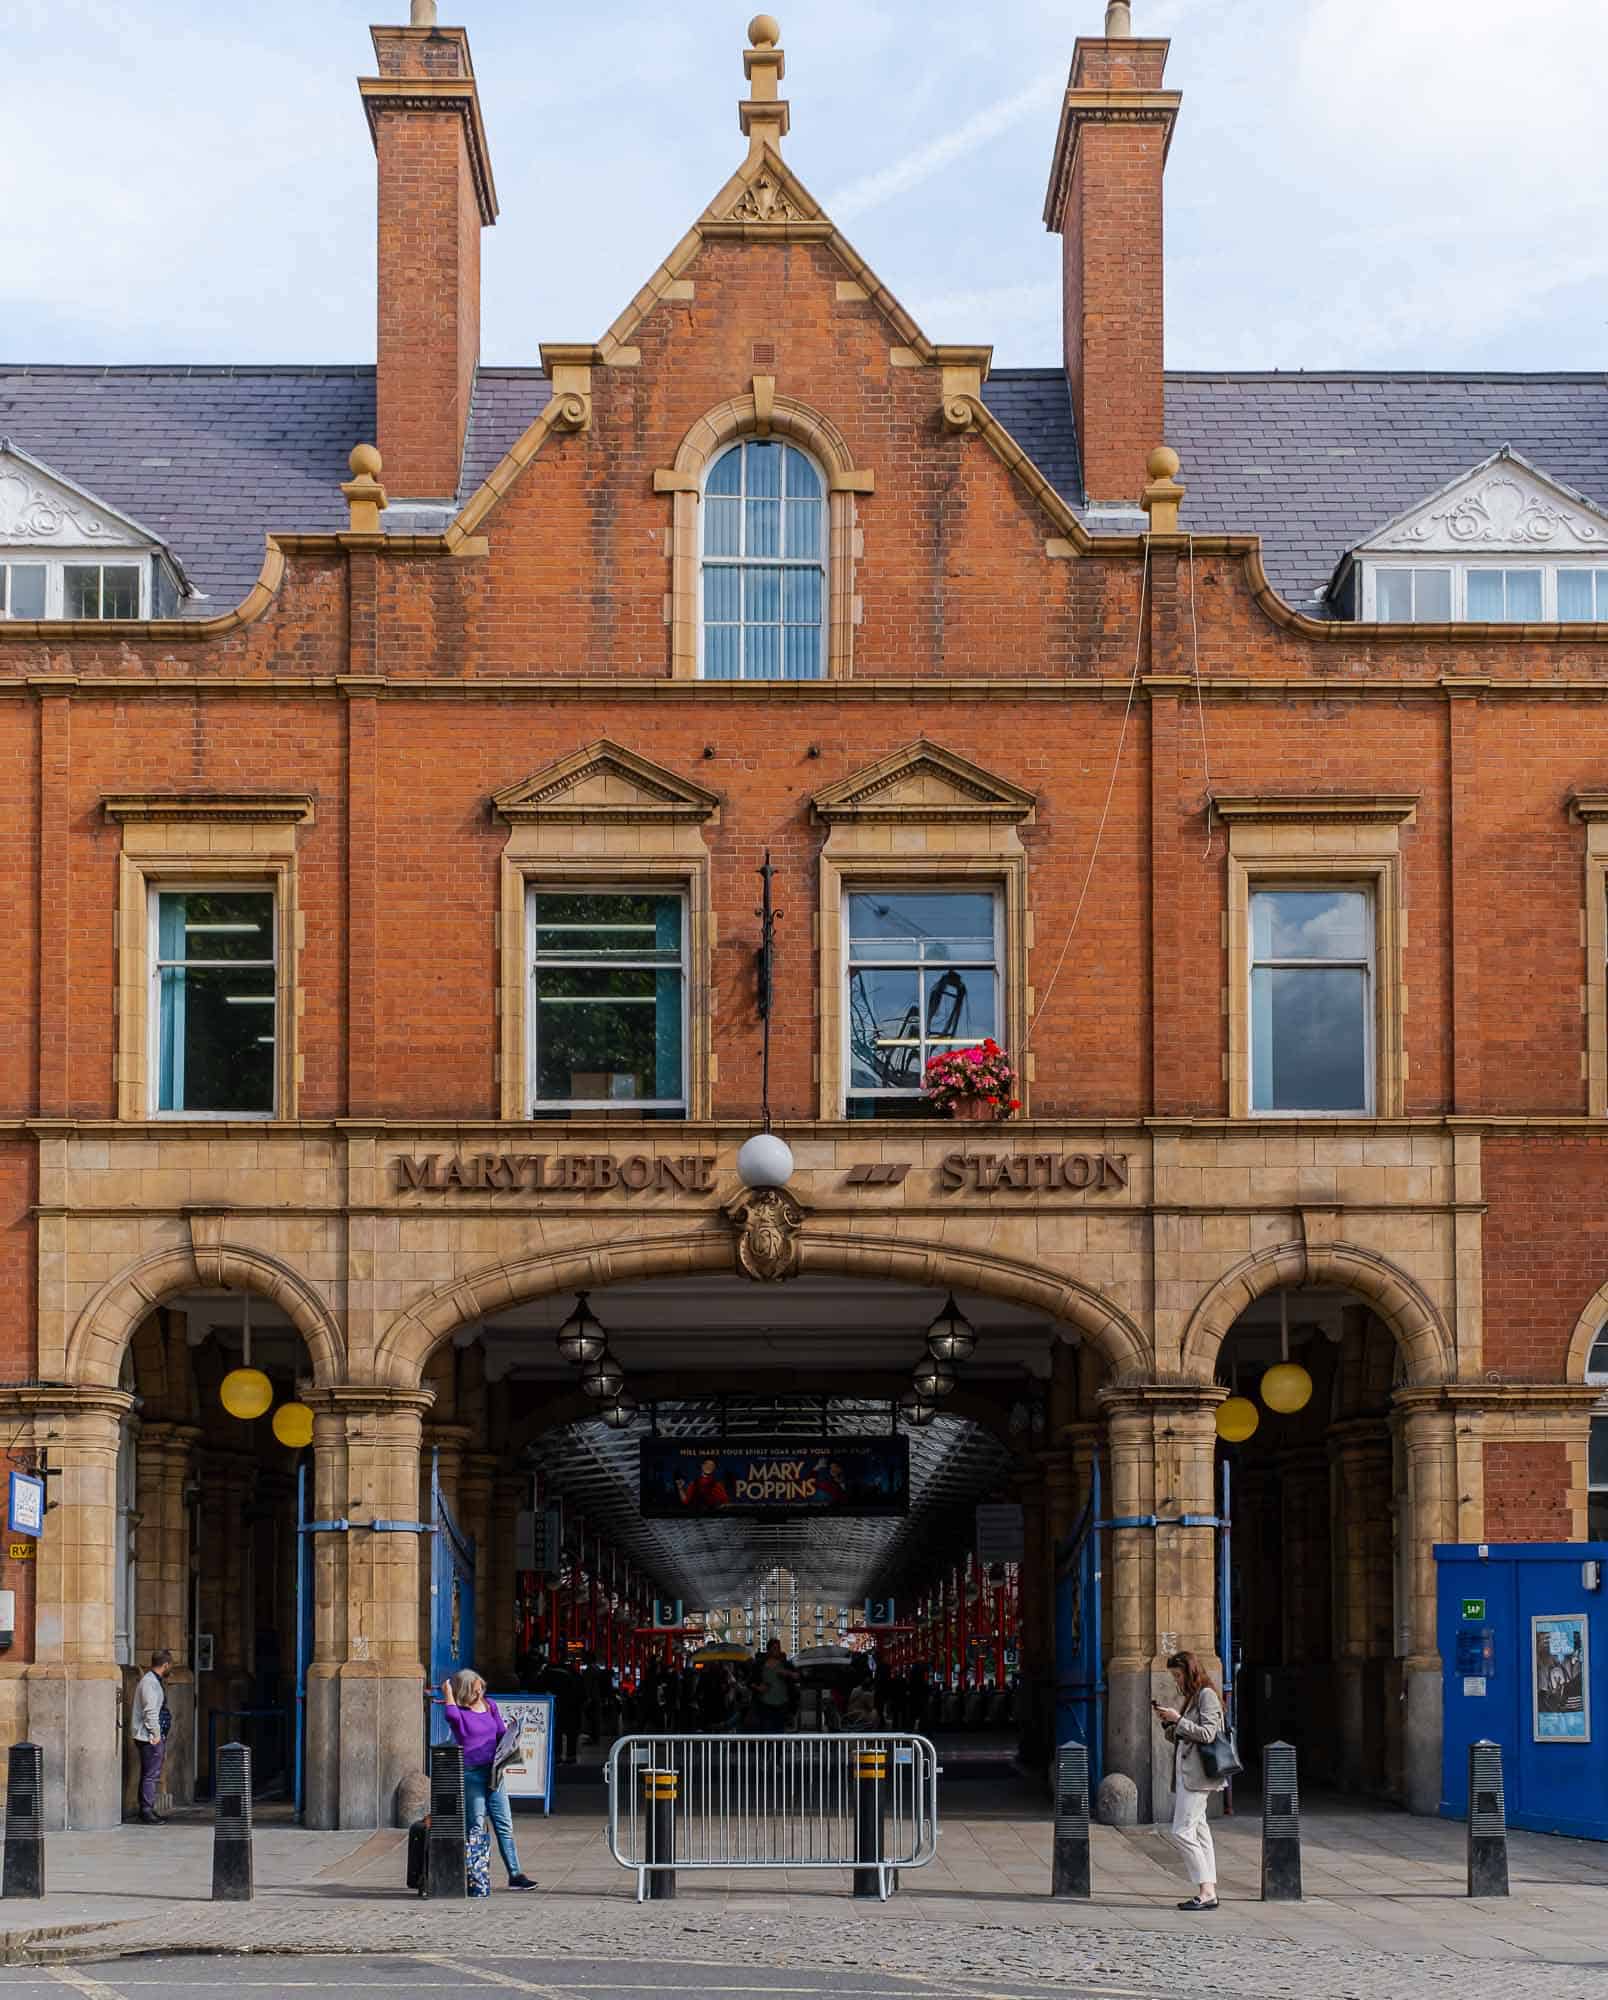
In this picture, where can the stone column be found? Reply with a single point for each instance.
(365, 1714)
(75, 1707)
(1131, 1562)
(164, 1461)
(1430, 1514)
(1164, 1588)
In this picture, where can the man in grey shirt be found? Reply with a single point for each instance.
(150, 1707)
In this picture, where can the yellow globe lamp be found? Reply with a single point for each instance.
(1237, 1419)
(1287, 1387)
(246, 1393)
(293, 1425)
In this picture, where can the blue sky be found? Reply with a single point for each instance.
(1354, 183)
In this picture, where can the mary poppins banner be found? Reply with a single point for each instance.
(854, 1475)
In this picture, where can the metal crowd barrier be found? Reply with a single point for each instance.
(863, 1802)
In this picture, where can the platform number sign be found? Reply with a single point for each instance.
(666, 1614)
(26, 1512)
(879, 1611)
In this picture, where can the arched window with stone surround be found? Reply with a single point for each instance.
(1597, 1441)
(763, 595)
(770, 470)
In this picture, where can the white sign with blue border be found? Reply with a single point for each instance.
(25, 1514)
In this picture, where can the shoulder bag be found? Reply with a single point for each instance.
(1220, 1758)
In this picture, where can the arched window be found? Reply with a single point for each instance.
(1597, 1442)
(764, 565)
(1597, 1359)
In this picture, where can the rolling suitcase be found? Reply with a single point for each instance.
(477, 1857)
(419, 1855)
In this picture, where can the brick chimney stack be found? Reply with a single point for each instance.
(436, 194)
(1104, 202)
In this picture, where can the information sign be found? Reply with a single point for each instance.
(26, 1513)
(531, 1777)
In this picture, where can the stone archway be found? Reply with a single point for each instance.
(1421, 1333)
(408, 1342)
(1584, 1337)
(102, 1332)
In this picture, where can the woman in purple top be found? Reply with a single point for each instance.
(477, 1723)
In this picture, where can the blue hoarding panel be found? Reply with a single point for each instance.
(1523, 1636)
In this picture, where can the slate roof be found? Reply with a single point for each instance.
(213, 459)
(1316, 463)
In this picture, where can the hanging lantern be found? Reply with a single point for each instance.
(932, 1378)
(603, 1379)
(618, 1414)
(1237, 1419)
(1287, 1387)
(246, 1393)
(951, 1337)
(916, 1410)
(293, 1425)
(581, 1338)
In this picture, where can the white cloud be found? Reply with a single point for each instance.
(924, 162)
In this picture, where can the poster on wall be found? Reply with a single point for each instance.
(531, 1775)
(1560, 1685)
(833, 1476)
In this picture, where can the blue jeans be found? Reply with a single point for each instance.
(479, 1805)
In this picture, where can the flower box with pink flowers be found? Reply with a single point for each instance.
(977, 1083)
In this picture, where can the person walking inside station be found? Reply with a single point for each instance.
(1197, 1721)
(477, 1726)
(152, 1720)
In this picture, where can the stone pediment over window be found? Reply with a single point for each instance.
(924, 784)
(605, 785)
(1503, 506)
(40, 508)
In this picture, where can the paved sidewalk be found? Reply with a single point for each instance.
(1385, 1915)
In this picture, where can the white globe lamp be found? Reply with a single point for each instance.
(764, 1161)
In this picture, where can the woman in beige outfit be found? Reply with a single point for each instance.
(1198, 1719)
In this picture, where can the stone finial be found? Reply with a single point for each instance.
(1161, 498)
(763, 115)
(423, 14)
(1119, 21)
(365, 496)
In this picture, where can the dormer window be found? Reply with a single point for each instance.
(65, 554)
(1502, 545)
(22, 590)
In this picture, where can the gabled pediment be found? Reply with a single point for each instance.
(41, 508)
(924, 784)
(604, 784)
(1504, 505)
(764, 189)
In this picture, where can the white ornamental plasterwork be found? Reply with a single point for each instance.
(1503, 512)
(32, 511)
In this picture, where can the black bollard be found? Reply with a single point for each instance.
(1487, 1821)
(25, 1833)
(1069, 1871)
(870, 1804)
(446, 1870)
(233, 1880)
(659, 1788)
(1281, 1825)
